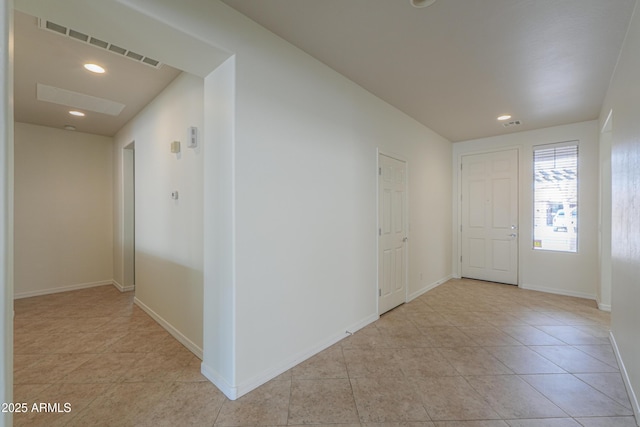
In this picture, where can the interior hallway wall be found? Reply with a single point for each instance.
(6, 207)
(623, 97)
(63, 210)
(302, 213)
(299, 148)
(168, 232)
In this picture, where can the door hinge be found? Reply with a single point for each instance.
(379, 231)
(379, 292)
(461, 228)
(460, 258)
(460, 166)
(379, 171)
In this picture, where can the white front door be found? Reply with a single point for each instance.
(392, 245)
(489, 208)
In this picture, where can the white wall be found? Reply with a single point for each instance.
(623, 97)
(305, 156)
(63, 205)
(300, 151)
(6, 207)
(292, 193)
(573, 274)
(168, 233)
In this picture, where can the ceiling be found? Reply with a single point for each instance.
(453, 66)
(457, 65)
(48, 58)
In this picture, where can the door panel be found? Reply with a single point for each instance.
(489, 211)
(392, 274)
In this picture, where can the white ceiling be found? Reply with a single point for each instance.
(47, 58)
(458, 64)
(454, 66)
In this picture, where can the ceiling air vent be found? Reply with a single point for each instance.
(512, 123)
(85, 38)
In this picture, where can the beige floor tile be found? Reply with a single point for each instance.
(572, 335)
(608, 422)
(572, 360)
(474, 361)
(452, 398)
(575, 397)
(447, 336)
(121, 405)
(422, 362)
(544, 422)
(529, 335)
(383, 400)
(192, 372)
(325, 401)
(603, 353)
(396, 424)
(157, 367)
(513, 398)
(407, 336)
(145, 342)
(267, 405)
(327, 364)
(102, 368)
(481, 423)
(465, 318)
(428, 319)
(499, 318)
(523, 360)
(117, 366)
(49, 368)
(77, 396)
(368, 337)
(371, 363)
(488, 336)
(186, 404)
(610, 384)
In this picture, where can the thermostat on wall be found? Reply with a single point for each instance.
(192, 140)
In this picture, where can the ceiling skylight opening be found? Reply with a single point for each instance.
(504, 117)
(76, 113)
(94, 68)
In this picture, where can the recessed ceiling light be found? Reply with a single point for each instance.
(421, 3)
(69, 127)
(505, 117)
(76, 113)
(94, 68)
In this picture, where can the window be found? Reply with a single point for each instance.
(555, 197)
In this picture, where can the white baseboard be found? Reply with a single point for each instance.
(427, 288)
(625, 378)
(234, 392)
(28, 294)
(558, 291)
(191, 346)
(604, 307)
(227, 389)
(123, 288)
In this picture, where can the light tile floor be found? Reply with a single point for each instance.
(466, 354)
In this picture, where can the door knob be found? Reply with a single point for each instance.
(404, 239)
(513, 235)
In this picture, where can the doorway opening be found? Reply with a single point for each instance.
(128, 218)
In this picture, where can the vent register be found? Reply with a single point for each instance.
(512, 123)
(85, 38)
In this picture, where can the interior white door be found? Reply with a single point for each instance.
(489, 207)
(392, 245)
